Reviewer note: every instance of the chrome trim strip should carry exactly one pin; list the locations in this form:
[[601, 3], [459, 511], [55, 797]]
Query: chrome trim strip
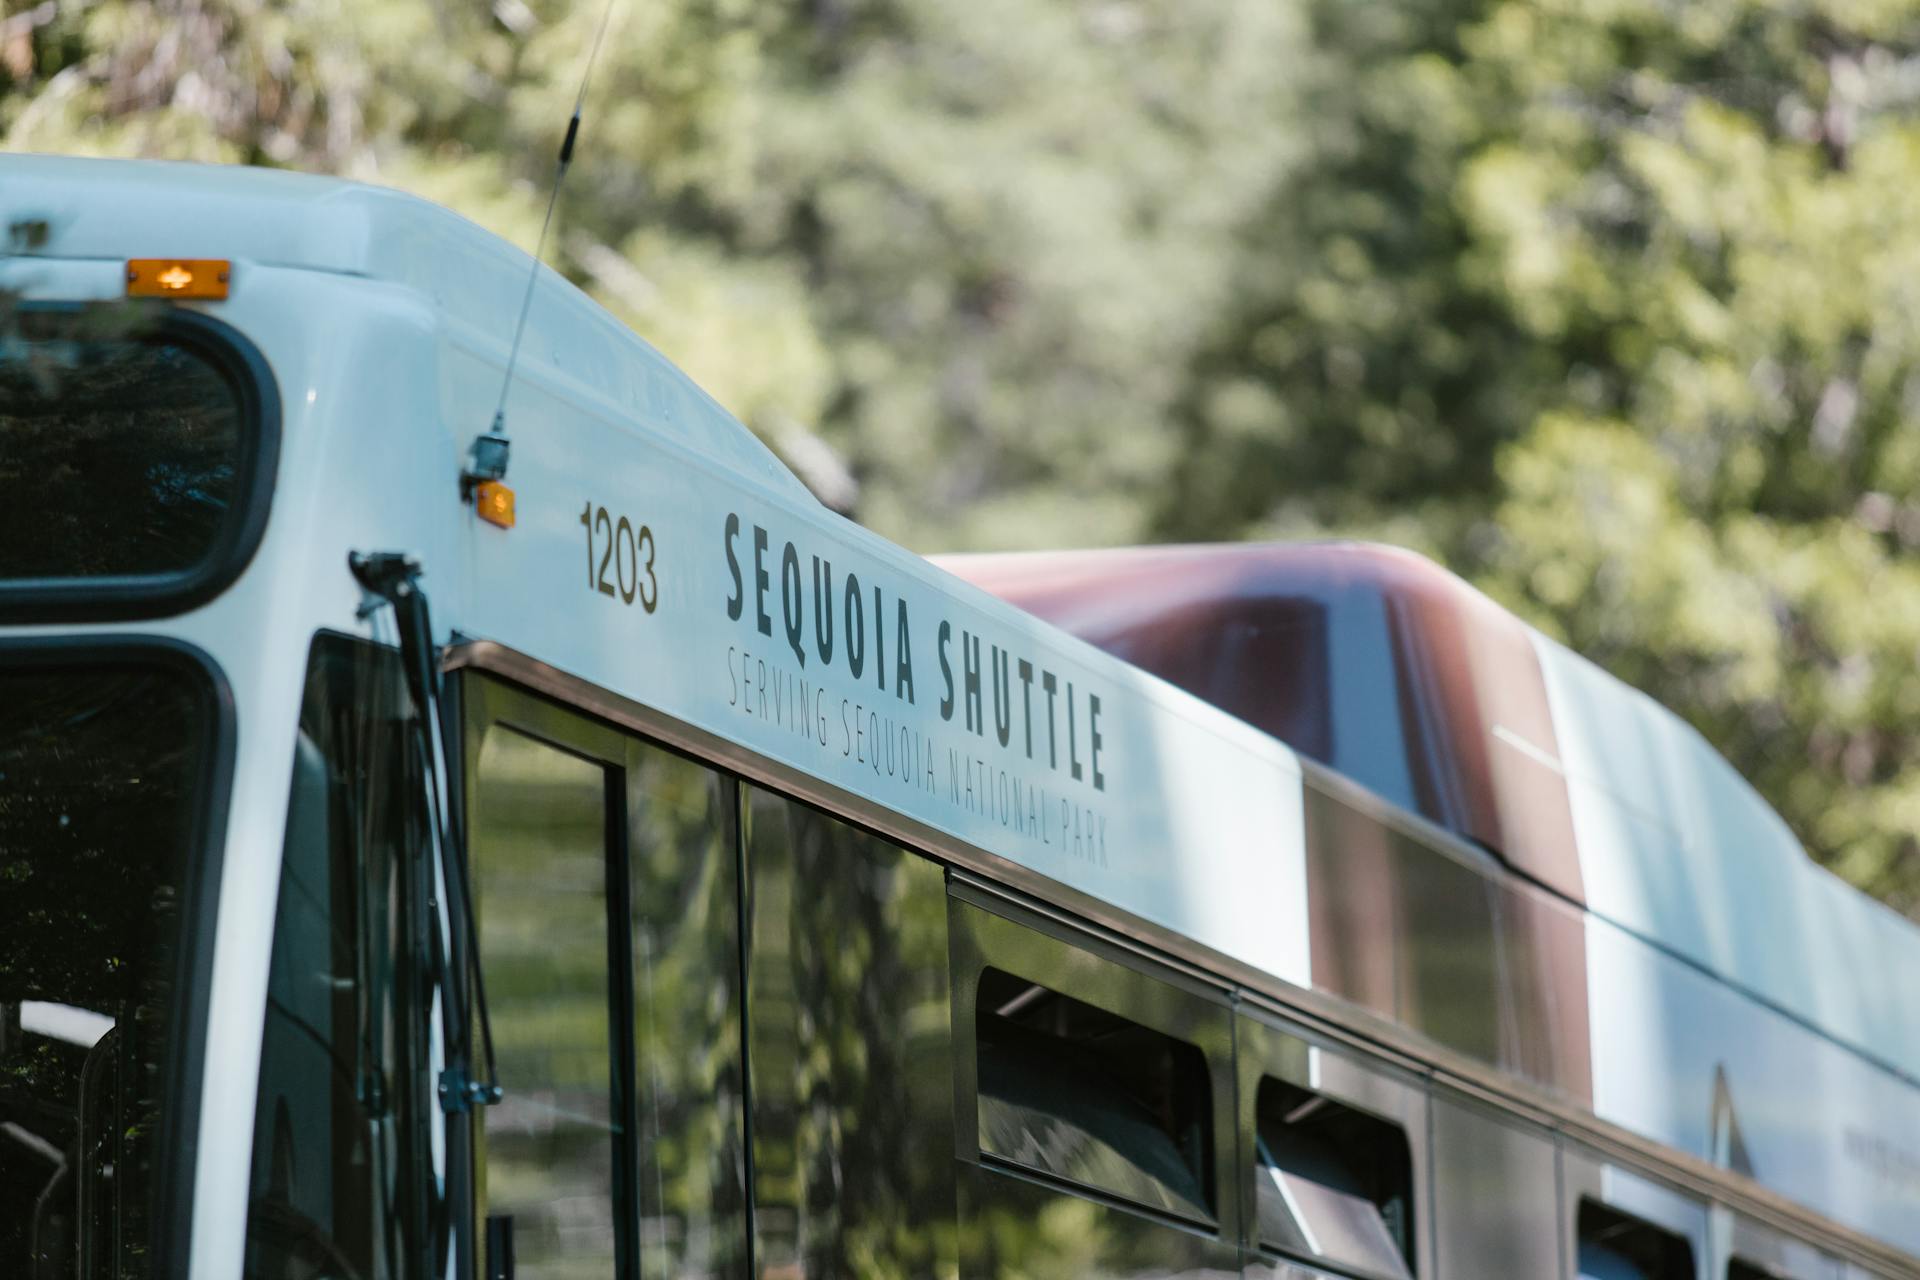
[[1333, 1019]]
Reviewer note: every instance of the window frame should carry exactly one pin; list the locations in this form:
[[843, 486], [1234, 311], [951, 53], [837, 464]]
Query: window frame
[[985, 932], [1270, 1047], [149, 595], [183, 1072], [1769, 1252], [1629, 1193], [1521, 1234]]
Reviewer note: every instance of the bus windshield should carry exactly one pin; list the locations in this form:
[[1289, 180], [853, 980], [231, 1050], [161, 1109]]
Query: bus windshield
[[124, 455], [103, 764]]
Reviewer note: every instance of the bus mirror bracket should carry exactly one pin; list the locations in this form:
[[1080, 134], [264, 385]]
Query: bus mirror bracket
[[460, 1094], [394, 579]]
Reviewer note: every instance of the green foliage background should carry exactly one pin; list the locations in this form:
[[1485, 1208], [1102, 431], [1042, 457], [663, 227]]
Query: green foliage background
[[1611, 305]]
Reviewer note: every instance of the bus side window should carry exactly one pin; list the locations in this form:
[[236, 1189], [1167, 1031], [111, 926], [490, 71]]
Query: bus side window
[[849, 1049], [1757, 1251], [1086, 1096], [1331, 1183], [1614, 1246], [1333, 1153], [1093, 1103], [606, 887], [554, 1147]]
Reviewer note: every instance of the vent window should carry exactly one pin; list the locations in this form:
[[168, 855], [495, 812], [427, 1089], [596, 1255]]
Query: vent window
[[1614, 1246], [1333, 1184], [1084, 1096]]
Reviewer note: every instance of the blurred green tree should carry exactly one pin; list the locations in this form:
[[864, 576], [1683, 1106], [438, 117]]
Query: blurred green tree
[[1613, 309]]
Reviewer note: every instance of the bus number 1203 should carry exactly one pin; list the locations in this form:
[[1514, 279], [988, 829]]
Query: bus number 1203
[[624, 569]]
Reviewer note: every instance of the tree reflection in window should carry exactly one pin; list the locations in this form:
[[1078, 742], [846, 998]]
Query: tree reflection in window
[[541, 868]]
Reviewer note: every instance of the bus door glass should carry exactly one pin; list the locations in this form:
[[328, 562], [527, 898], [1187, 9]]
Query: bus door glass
[[340, 1166], [540, 858]]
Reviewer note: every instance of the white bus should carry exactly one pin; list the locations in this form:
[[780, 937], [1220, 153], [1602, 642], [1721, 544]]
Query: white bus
[[616, 864]]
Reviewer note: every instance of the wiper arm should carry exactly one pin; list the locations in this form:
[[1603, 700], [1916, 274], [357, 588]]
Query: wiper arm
[[394, 577]]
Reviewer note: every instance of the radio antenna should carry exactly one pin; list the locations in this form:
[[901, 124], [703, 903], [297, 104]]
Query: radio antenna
[[487, 456]]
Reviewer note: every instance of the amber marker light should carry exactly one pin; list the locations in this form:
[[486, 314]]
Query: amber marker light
[[493, 502], [178, 277]]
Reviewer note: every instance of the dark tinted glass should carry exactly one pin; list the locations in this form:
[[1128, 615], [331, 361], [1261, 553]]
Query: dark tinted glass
[[1085, 1095], [1331, 1183], [609, 929], [689, 1087], [336, 1165], [119, 456], [101, 770], [1614, 1246], [541, 864], [851, 1051]]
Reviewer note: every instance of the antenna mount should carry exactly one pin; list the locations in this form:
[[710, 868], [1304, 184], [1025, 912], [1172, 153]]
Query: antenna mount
[[487, 456]]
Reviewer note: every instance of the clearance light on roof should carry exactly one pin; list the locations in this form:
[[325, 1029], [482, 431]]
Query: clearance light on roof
[[493, 502], [178, 277]]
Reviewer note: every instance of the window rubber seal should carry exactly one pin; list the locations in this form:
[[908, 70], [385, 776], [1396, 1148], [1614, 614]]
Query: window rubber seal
[[135, 597], [177, 1143]]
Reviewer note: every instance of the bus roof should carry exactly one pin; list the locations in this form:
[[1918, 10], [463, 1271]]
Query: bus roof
[[276, 219]]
